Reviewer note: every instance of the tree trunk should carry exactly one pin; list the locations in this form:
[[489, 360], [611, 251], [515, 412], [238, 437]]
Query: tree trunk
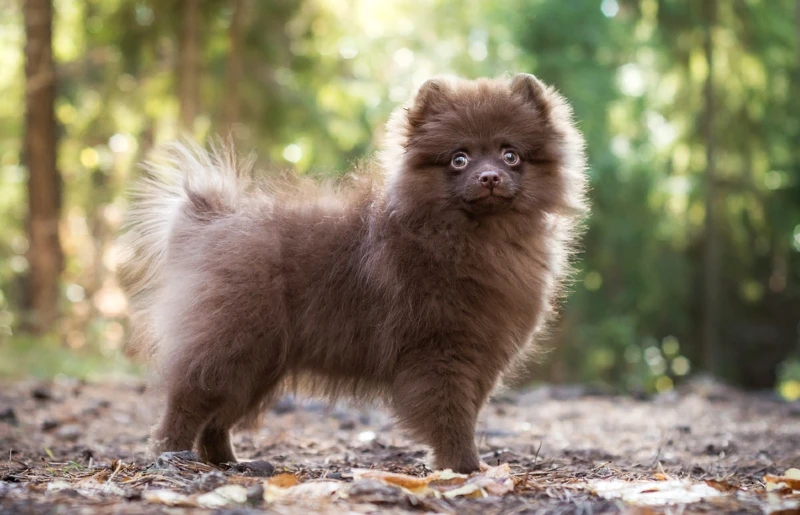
[[797, 37], [711, 298], [189, 63], [44, 188], [235, 67]]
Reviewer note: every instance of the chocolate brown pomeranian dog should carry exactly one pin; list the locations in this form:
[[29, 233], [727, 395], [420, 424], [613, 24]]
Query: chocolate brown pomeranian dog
[[423, 288]]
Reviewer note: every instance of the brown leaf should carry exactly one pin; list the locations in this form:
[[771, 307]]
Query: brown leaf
[[308, 490], [446, 484], [639, 510], [393, 478], [721, 486], [283, 480], [491, 481], [778, 482]]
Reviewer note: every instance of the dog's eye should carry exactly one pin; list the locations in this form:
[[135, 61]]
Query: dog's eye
[[510, 157], [459, 161]]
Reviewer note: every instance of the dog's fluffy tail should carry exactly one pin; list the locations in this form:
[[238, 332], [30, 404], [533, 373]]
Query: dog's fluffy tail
[[182, 183]]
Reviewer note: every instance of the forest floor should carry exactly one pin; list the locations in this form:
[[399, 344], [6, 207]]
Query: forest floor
[[71, 447]]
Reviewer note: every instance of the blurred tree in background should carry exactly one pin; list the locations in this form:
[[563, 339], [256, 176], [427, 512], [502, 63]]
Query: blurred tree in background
[[39, 154], [690, 110]]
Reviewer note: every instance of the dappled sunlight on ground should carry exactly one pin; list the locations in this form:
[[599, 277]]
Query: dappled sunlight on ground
[[551, 448]]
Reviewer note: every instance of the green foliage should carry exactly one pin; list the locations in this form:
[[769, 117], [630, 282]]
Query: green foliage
[[321, 77], [789, 379], [23, 356]]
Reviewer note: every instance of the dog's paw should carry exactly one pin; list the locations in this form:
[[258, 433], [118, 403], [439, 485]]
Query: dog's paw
[[257, 468]]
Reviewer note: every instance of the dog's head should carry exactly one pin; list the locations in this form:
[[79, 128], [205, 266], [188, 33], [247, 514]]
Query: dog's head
[[485, 148]]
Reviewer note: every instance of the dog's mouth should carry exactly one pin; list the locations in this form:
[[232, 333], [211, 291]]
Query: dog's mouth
[[488, 202]]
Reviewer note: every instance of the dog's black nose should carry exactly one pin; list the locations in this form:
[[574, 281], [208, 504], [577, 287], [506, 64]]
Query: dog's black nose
[[489, 179]]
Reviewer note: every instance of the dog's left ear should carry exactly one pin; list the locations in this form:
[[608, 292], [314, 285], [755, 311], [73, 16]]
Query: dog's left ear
[[430, 99], [530, 88]]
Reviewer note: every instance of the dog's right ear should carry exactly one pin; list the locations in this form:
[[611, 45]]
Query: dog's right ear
[[530, 88], [430, 99]]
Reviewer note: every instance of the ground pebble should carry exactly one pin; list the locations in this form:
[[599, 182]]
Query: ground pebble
[[255, 494], [209, 481], [9, 416], [70, 433], [49, 424], [256, 468], [41, 393]]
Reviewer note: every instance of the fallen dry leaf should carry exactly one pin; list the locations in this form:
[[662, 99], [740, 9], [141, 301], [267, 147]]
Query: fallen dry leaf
[[722, 486], [58, 485], [223, 496], [790, 480], [654, 493], [470, 490], [168, 498], [308, 490], [496, 484], [500, 471], [492, 481], [546, 481], [412, 483], [639, 510], [445, 484], [88, 486], [283, 480]]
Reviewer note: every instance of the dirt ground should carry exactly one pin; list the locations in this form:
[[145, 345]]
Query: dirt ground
[[70, 447]]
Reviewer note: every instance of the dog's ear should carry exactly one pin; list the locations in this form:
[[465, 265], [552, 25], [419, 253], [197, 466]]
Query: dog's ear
[[530, 88], [431, 98]]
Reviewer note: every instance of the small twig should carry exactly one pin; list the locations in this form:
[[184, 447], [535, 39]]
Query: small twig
[[536, 456], [113, 475], [601, 466], [661, 470], [533, 473]]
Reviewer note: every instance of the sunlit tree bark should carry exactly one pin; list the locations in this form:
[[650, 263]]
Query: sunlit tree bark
[[235, 66], [712, 237], [44, 191]]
